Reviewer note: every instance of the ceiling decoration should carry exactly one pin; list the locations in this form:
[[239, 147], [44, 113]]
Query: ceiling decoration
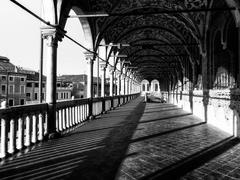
[[160, 43]]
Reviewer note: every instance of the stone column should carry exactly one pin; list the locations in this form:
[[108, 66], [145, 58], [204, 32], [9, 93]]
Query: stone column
[[90, 60], [238, 83], [103, 79], [126, 86], [111, 72], [51, 36], [130, 85], [119, 83], [205, 86], [122, 84]]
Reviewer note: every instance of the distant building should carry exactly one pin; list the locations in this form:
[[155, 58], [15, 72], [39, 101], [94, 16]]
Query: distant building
[[20, 86], [13, 83], [79, 84]]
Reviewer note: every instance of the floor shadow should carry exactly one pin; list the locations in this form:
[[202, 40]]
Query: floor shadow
[[94, 153], [166, 132], [178, 169], [164, 110], [104, 163], [165, 118]]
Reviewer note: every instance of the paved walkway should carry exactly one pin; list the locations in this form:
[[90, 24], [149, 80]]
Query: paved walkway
[[136, 141]]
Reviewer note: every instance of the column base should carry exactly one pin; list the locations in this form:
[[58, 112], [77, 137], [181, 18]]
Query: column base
[[53, 135], [91, 117], [3, 158]]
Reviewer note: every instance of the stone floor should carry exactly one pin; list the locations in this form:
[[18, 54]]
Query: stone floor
[[136, 141]]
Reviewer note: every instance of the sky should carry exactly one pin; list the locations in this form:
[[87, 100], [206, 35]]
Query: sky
[[20, 39]]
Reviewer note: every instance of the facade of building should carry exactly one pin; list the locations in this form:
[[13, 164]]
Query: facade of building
[[13, 84], [79, 85], [20, 86]]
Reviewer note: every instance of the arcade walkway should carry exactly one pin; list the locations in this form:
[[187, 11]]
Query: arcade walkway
[[136, 141]]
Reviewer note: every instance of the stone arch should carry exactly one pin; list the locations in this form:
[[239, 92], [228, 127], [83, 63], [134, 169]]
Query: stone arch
[[145, 86], [155, 86], [86, 28]]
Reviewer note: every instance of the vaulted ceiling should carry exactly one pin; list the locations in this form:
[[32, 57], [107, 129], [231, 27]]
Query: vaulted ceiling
[[163, 34]]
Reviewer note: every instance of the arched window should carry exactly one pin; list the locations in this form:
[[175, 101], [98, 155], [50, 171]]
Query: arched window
[[143, 87], [156, 87], [147, 87]]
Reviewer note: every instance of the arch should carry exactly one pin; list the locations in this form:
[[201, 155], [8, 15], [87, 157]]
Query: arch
[[86, 28], [155, 86], [145, 86]]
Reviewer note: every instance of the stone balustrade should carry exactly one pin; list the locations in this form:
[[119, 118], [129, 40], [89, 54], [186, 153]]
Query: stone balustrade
[[24, 126]]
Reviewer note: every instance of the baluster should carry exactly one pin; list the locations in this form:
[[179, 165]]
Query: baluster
[[46, 123], [34, 128], [60, 120], [41, 126], [70, 116], [67, 118], [84, 112], [12, 136], [28, 131], [57, 120], [64, 119], [73, 116], [94, 108], [4, 138], [20, 133], [87, 107], [77, 114], [81, 113]]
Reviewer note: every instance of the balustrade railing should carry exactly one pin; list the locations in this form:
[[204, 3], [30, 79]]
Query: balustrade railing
[[71, 113], [23, 126]]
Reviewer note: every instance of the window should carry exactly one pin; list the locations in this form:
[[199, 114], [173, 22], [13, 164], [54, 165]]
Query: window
[[3, 89], [4, 78], [29, 84], [10, 102], [143, 87], [11, 89], [22, 79], [66, 95], [22, 89], [156, 87], [36, 85], [28, 95], [61, 95], [22, 101], [147, 87], [35, 96], [10, 78], [42, 96], [43, 85]]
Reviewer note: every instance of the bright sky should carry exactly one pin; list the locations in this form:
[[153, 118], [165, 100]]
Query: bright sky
[[20, 39]]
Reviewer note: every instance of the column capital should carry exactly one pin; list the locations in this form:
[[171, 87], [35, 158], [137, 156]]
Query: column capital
[[118, 73], [89, 56], [53, 33], [123, 76], [111, 69], [102, 67]]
